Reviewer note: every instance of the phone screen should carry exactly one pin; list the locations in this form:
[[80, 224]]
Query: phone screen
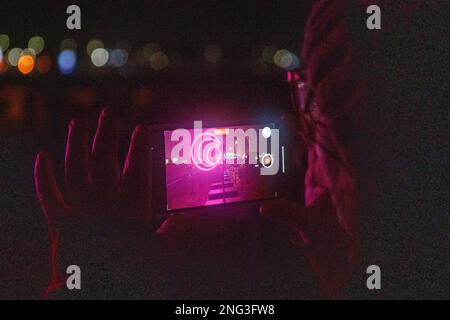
[[215, 166]]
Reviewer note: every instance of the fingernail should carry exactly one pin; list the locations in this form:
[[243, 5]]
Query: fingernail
[[77, 124], [107, 113], [43, 160], [42, 155]]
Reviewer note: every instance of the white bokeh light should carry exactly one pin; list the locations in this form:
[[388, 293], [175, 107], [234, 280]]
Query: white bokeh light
[[99, 57], [283, 58], [14, 55], [266, 132]]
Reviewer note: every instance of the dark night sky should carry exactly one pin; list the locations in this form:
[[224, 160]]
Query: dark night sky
[[186, 26]]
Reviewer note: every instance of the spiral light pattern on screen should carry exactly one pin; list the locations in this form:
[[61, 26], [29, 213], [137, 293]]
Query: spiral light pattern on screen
[[206, 151]]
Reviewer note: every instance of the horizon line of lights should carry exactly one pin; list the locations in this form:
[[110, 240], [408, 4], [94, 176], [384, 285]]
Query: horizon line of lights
[[32, 57]]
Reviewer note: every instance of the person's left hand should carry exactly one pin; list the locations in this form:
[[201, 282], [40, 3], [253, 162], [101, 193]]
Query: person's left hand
[[104, 223]]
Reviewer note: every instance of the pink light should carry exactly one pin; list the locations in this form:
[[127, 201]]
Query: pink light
[[292, 76], [202, 157]]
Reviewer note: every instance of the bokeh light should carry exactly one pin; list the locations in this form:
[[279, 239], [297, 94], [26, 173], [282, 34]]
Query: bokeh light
[[99, 57], [26, 64], [14, 55], [213, 53], [1, 55], [4, 42], [67, 60], [150, 49], [29, 52], [295, 62], [282, 58], [36, 43], [118, 57], [44, 64], [159, 61], [286, 59], [69, 44], [94, 44]]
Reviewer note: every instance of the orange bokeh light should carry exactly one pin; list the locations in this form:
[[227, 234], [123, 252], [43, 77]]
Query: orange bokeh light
[[26, 64]]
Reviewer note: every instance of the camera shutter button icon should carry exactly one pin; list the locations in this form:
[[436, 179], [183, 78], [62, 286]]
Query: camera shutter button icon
[[267, 160]]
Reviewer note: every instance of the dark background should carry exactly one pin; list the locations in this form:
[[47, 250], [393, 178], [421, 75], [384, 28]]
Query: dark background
[[35, 109], [183, 25]]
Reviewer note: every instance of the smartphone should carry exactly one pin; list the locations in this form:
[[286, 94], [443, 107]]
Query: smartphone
[[200, 167]]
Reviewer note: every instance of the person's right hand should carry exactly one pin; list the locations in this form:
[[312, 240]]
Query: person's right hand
[[316, 229]]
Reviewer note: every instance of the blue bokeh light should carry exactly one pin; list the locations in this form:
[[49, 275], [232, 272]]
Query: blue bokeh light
[[67, 60], [296, 63]]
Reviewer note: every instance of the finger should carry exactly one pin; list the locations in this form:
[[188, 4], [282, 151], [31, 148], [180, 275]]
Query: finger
[[104, 164], [137, 176], [285, 211], [76, 161], [47, 191]]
